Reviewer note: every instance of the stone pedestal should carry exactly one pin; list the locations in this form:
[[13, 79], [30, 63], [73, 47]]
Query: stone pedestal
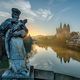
[[9, 75]]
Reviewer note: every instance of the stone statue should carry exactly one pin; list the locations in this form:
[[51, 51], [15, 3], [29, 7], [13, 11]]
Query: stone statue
[[13, 31]]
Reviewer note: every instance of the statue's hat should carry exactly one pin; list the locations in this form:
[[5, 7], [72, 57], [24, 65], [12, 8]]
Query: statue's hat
[[15, 10]]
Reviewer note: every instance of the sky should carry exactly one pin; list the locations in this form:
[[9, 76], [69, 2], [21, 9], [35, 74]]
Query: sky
[[44, 16]]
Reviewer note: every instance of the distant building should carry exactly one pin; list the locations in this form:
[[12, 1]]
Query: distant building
[[75, 40], [63, 30]]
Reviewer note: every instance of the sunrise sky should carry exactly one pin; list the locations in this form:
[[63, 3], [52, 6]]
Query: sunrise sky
[[44, 15]]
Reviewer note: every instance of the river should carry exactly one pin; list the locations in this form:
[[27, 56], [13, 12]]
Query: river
[[60, 61]]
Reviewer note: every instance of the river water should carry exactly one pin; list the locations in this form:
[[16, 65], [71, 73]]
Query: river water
[[57, 60]]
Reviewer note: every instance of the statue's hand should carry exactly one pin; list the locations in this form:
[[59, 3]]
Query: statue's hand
[[10, 33], [14, 21]]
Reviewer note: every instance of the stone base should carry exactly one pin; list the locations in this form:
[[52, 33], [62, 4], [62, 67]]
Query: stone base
[[17, 79], [10, 75]]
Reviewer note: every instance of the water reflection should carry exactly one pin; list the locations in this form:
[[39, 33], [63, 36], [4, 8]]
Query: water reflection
[[56, 59], [64, 53]]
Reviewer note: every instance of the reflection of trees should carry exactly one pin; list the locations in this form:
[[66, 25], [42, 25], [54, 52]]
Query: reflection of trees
[[28, 41], [33, 51], [63, 56], [43, 46], [64, 53]]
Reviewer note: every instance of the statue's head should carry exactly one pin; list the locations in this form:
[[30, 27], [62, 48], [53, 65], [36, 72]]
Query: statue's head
[[15, 13]]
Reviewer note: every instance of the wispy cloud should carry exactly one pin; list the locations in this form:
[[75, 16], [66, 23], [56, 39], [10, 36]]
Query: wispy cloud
[[44, 14], [65, 9], [52, 1], [26, 9], [4, 14], [57, 17]]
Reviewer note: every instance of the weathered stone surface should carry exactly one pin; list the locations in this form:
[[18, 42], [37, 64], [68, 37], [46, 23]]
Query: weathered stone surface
[[37, 74], [13, 31]]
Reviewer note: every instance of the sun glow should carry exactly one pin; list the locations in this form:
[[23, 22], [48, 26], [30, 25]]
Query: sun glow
[[34, 30]]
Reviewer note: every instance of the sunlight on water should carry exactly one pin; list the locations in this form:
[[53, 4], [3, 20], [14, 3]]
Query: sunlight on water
[[47, 59]]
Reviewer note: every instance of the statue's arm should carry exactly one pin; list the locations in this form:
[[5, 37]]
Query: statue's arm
[[20, 33], [5, 24]]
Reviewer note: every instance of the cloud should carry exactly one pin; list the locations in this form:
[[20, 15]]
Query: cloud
[[44, 14], [52, 1], [58, 16], [26, 9], [65, 9], [4, 14]]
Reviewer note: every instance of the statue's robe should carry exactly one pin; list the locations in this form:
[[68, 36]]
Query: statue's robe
[[16, 53], [3, 29]]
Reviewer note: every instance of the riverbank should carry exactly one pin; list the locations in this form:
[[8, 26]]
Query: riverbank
[[61, 42], [60, 46]]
